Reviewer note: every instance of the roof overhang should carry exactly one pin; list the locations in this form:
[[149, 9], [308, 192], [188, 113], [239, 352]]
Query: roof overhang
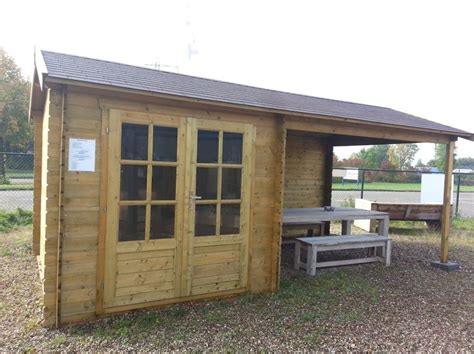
[[37, 94], [446, 135]]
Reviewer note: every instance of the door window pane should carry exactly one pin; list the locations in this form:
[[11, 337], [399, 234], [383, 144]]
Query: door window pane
[[230, 219], [205, 220], [206, 183], [231, 183], [208, 143], [133, 182], [163, 183], [164, 143], [134, 141], [232, 149], [162, 221], [132, 223]]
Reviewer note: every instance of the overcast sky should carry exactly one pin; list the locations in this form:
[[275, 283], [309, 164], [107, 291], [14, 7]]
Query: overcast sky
[[413, 56]]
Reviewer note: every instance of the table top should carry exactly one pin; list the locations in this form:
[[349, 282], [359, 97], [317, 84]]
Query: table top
[[303, 216]]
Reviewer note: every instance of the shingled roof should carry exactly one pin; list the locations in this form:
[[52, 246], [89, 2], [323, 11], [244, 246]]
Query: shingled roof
[[71, 67]]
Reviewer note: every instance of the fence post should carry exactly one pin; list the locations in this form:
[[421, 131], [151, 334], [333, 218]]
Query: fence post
[[457, 194], [362, 185], [3, 172]]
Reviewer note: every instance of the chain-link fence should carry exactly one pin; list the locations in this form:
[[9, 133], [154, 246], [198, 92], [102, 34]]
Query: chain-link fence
[[397, 186], [16, 180]]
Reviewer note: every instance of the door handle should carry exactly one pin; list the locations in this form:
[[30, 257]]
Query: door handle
[[195, 197]]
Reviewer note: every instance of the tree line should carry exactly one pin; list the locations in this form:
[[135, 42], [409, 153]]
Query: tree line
[[16, 132], [399, 157]]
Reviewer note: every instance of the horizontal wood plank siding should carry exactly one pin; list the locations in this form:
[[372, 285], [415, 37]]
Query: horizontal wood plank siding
[[81, 210], [305, 170], [81, 216]]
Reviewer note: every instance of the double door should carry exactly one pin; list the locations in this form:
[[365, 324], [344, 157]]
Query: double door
[[178, 217]]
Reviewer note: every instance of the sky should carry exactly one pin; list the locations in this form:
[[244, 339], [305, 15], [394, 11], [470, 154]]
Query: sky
[[414, 56]]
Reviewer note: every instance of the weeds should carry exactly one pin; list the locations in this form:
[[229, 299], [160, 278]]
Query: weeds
[[348, 202], [10, 221], [57, 341]]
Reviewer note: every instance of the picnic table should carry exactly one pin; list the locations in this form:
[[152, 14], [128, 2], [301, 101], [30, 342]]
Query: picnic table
[[309, 217]]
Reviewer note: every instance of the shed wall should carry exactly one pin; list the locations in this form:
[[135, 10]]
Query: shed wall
[[81, 200], [49, 204], [305, 170]]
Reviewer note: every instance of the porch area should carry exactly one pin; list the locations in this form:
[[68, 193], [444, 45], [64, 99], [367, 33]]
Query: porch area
[[307, 213]]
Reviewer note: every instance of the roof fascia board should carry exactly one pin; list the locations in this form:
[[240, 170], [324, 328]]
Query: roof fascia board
[[365, 131]]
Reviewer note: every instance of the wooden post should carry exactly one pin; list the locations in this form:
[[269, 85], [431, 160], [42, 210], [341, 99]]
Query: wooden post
[[328, 165], [280, 155], [446, 216]]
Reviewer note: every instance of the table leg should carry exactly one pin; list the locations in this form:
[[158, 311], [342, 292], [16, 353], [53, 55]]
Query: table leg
[[383, 226], [311, 261], [388, 253], [346, 227], [297, 255]]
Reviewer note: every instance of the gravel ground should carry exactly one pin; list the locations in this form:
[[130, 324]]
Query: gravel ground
[[409, 306]]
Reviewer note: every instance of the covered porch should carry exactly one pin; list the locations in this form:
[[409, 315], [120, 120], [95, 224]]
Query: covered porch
[[306, 183]]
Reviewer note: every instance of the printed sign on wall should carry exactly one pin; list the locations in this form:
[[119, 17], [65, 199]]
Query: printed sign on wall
[[82, 155]]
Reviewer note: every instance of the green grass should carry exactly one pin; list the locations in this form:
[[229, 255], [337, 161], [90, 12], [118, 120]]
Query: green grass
[[57, 341], [19, 174], [463, 224], [16, 187], [388, 186], [12, 220], [415, 227]]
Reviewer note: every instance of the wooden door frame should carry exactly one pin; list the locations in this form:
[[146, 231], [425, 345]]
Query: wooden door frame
[[188, 140]]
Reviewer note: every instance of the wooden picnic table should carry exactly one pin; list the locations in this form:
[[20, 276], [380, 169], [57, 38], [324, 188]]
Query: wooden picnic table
[[307, 218]]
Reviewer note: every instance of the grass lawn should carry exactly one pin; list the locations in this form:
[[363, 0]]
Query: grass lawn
[[16, 187], [358, 308], [19, 174], [387, 186]]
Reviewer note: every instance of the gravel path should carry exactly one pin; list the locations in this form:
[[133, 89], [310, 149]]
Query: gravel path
[[409, 306]]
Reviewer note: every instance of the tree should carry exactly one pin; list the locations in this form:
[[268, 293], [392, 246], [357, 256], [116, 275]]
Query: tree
[[372, 157], [15, 129], [402, 155], [465, 162], [440, 157]]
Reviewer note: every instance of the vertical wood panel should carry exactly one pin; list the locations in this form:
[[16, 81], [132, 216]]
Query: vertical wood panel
[[446, 217], [102, 214], [278, 206], [38, 134]]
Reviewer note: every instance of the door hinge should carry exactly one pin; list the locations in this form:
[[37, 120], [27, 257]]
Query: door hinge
[[107, 130]]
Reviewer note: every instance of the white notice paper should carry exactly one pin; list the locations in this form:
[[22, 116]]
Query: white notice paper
[[82, 155]]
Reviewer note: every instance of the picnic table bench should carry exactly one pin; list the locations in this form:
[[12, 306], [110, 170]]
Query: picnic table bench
[[379, 245], [343, 242]]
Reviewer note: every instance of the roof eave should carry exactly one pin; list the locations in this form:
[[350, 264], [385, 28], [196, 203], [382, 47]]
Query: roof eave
[[61, 80]]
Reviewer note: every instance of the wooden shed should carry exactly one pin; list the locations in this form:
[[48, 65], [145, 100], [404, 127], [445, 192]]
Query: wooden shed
[[154, 188]]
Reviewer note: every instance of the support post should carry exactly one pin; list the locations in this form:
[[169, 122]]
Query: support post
[[446, 215], [362, 185], [458, 189]]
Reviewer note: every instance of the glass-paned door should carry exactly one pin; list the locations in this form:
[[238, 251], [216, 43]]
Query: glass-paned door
[[178, 208], [144, 208], [219, 204]]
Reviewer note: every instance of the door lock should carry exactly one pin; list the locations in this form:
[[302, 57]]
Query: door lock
[[195, 197]]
